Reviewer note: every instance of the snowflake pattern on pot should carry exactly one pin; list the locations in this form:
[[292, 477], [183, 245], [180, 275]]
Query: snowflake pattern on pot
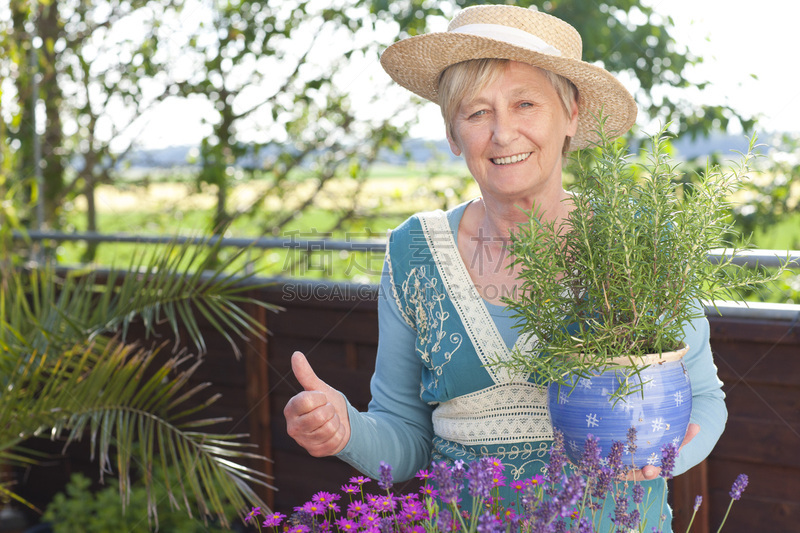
[[660, 412]]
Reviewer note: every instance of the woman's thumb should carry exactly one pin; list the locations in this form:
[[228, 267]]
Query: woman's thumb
[[305, 374]]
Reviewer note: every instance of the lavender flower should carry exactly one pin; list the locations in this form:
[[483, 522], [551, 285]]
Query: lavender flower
[[620, 512], [632, 522], [557, 458], [445, 520], [590, 460], [385, 481], [698, 501], [480, 477], [489, 523], [446, 480], [668, 453], [632, 440], [585, 526], [738, 486], [615, 458], [638, 494]]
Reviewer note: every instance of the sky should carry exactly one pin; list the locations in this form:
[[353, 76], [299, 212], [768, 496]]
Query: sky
[[748, 49]]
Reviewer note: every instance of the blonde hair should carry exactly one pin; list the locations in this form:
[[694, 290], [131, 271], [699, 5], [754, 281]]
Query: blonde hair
[[466, 79]]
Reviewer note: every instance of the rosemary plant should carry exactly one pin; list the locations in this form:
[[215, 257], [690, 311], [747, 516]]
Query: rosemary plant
[[625, 272]]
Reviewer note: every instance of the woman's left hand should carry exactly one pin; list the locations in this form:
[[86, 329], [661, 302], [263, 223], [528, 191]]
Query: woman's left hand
[[651, 472]]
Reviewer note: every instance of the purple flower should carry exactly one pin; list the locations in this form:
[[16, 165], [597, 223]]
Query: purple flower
[[360, 480], [370, 519], [480, 477], [423, 474], [412, 511], [698, 501], [489, 523], [325, 497], [274, 520], [356, 508], [590, 460], [299, 529], [620, 512], [615, 458], [517, 485], [448, 480], [603, 482], [254, 512], [314, 508], [571, 493], [638, 493], [346, 525], [738, 486], [428, 491], [349, 489], [585, 526], [385, 504], [632, 440], [668, 453], [385, 481], [557, 458], [632, 522], [444, 522]]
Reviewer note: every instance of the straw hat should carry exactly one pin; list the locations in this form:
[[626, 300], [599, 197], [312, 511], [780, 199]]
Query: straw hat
[[518, 34]]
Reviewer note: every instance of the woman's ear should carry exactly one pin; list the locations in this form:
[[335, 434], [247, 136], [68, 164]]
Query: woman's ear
[[453, 146], [572, 129]]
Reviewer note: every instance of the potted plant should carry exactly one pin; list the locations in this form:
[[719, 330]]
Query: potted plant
[[606, 294]]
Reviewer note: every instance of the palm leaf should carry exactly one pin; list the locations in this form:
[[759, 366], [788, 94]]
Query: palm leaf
[[132, 413]]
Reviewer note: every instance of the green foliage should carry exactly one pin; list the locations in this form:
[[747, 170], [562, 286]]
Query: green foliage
[[273, 79], [79, 508], [622, 275], [67, 370]]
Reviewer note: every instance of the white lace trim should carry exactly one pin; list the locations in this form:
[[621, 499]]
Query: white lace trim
[[502, 414], [469, 305], [388, 260]]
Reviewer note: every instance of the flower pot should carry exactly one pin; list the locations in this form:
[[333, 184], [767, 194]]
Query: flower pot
[[659, 412]]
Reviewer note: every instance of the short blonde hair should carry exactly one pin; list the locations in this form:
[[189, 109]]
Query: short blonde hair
[[464, 80]]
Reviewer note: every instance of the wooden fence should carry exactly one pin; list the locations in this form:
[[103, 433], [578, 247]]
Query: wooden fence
[[335, 325]]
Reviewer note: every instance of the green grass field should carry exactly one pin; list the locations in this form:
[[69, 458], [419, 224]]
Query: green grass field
[[163, 207]]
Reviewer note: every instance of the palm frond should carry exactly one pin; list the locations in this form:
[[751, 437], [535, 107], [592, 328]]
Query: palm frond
[[132, 410]]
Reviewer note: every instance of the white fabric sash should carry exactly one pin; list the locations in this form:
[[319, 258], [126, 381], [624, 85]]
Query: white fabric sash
[[509, 35]]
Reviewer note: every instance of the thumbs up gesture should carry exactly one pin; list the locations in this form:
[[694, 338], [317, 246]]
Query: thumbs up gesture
[[316, 417]]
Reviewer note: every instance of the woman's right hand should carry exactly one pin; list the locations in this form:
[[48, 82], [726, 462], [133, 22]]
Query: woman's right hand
[[316, 417]]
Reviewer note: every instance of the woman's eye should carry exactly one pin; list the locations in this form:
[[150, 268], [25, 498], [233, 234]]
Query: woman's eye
[[478, 113], [526, 104]]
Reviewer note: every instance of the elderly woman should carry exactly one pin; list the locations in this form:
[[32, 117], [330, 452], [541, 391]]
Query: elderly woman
[[515, 97]]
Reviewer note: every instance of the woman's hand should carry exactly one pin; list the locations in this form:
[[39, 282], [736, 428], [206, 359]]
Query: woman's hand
[[317, 417], [651, 472]]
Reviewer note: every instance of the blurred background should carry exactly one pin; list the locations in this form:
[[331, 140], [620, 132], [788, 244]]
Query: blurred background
[[273, 118]]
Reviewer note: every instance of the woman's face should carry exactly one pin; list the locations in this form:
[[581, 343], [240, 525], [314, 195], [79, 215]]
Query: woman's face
[[511, 135]]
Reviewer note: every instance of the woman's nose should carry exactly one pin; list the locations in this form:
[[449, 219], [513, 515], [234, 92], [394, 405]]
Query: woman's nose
[[504, 128]]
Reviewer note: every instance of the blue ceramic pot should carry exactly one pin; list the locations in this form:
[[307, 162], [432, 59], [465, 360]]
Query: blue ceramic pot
[[660, 415]]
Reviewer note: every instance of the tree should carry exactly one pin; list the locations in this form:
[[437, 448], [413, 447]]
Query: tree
[[75, 66], [276, 79]]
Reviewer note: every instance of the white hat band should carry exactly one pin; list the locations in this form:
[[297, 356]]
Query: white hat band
[[509, 35]]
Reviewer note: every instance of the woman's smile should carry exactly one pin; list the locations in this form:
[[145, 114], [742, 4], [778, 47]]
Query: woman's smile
[[509, 160]]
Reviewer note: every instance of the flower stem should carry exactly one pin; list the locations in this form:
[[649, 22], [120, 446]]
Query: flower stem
[[726, 515]]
